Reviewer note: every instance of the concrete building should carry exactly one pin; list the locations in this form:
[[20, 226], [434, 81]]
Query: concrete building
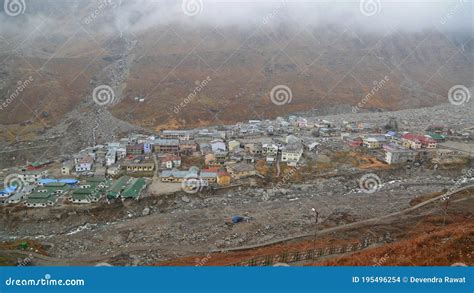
[[374, 142], [218, 145], [187, 147], [170, 162], [32, 176], [111, 157], [136, 149], [241, 170], [223, 178], [84, 164], [233, 145], [177, 134], [418, 141], [270, 149], [139, 164], [178, 176], [395, 154], [166, 146], [291, 153], [66, 168]]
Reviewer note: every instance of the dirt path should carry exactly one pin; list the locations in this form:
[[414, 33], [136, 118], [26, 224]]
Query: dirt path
[[95, 259], [351, 225]]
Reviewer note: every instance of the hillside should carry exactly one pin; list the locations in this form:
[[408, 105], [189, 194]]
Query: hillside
[[70, 48]]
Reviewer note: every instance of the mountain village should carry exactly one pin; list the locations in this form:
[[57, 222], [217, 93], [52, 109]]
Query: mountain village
[[222, 157]]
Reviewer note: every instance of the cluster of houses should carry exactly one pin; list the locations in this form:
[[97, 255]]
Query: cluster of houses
[[225, 154], [228, 153], [39, 190], [397, 147]]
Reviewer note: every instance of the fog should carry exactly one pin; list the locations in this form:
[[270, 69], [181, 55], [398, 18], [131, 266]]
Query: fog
[[133, 16]]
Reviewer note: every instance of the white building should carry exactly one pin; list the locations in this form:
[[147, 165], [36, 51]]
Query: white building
[[121, 153], [218, 146], [233, 145], [111, 157], [269, 149], [66, 169], [291, 153], [32, 176], [113, 170], [84, 164]]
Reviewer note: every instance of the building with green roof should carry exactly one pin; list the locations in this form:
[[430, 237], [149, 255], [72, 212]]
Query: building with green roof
[[81, 195], [118, 187], [91, 191], [54, 187], [436, 136], [134, 189], [41, 199]]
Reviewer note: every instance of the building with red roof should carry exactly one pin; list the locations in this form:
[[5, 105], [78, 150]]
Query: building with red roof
[[419, 141]]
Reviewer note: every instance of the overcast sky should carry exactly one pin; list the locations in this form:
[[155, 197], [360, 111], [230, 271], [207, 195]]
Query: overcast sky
[[136, 15]]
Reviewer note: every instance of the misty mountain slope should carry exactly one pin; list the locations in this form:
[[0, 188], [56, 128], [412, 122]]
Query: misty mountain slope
[[327, 54], [319, 71]]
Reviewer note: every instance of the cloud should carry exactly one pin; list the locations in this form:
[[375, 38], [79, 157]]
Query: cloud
[[138, 15]]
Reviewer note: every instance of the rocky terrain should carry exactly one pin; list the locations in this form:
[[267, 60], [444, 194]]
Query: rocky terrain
[[164, 227], [75, 47], [54, 57]]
